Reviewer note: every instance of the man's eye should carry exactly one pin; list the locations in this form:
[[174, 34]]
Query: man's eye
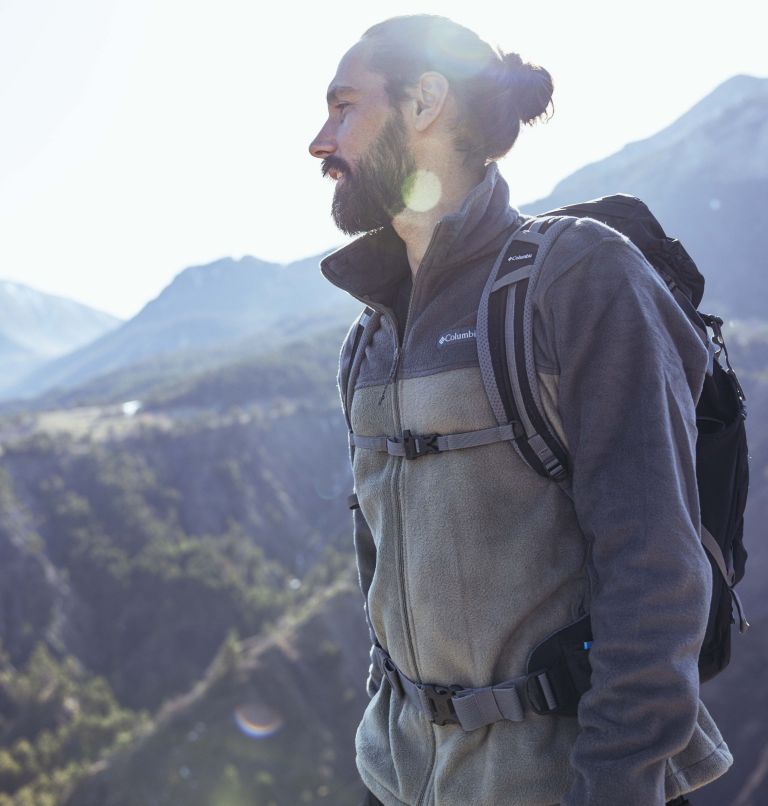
[[341, 107]]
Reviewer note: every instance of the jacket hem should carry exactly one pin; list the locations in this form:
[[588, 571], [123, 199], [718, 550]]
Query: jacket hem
[[680, 781], [378, 789]]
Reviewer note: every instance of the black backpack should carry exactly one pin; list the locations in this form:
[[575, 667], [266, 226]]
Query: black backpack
[[511, 383], [721, 447]]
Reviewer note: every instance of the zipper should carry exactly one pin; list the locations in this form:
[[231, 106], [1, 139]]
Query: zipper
[[397, 476], [398, 488]]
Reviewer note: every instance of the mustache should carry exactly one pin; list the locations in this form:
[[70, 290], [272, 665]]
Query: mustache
[[329, 163]]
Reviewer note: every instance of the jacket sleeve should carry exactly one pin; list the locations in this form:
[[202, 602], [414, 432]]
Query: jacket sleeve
[[365, 548], [631, 368]]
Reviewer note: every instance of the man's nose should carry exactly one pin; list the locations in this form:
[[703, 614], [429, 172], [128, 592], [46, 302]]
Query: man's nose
[[324, 144]]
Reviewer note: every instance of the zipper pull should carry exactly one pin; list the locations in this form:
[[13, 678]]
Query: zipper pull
[[392, 374]]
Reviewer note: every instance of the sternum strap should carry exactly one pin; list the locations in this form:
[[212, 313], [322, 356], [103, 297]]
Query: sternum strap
[[411, 446]]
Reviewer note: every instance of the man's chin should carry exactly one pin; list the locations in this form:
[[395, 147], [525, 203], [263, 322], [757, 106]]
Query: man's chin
[[351, 222], [344, 224]]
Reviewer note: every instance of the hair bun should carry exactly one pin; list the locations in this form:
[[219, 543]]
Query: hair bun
[[512, 61], [531, 86]]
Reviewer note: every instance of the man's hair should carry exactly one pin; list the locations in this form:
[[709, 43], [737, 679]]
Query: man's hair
[[495, 91]]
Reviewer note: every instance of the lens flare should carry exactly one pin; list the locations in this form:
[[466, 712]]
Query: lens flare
[[257, 721], [422, 191]]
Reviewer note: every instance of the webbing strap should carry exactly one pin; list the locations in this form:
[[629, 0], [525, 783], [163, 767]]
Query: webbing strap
[[472, 708], [711, 545], [419, 445], [743, 623], [483, 706]]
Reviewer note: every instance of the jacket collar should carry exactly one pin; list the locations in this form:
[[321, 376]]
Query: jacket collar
[[372, 266]]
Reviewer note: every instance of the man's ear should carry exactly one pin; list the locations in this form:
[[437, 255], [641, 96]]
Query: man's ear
[[428, 99]]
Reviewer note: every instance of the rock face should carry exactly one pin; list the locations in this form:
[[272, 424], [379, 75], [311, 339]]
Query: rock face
[[705, 177]]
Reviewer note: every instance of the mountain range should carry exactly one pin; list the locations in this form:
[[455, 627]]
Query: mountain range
[[705, 177], [204, 307]]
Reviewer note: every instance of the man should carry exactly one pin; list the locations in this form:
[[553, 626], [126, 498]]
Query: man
[[467, 558]]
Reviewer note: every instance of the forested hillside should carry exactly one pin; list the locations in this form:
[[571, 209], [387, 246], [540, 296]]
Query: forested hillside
[[140, 545]]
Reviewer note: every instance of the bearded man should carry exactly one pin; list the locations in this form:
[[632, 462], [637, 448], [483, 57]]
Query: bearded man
[[467, 558]]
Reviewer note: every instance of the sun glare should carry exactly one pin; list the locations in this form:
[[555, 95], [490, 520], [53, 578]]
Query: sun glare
[[422, 191]]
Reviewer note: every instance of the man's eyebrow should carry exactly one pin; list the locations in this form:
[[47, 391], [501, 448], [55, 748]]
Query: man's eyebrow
[[336, 90]]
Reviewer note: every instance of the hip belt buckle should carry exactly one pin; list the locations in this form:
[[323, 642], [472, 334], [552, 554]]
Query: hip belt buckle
[[437, 703]]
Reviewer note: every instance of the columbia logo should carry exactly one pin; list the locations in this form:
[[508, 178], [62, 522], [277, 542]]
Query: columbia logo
[[456, 335], [519, 257]]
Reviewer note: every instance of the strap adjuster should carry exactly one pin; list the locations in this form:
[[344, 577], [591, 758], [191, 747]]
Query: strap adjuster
[[540, 694], [391, 672], [416, 445]]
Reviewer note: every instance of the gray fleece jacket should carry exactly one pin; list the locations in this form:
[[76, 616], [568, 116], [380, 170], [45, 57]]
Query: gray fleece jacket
[[467, 559]]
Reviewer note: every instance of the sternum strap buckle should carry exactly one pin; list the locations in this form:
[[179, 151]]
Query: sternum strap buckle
[[416, 445]]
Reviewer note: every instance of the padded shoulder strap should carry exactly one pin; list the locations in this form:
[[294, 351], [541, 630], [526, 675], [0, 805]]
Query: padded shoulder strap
[[505, 345]]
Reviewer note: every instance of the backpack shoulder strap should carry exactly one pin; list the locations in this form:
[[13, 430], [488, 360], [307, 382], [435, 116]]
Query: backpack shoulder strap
[[505, 345], [352, 351]]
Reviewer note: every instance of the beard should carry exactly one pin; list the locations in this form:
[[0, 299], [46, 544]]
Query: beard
[[371, 194]]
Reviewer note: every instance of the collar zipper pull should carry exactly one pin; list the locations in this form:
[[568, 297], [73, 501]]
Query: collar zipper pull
[[392, 374]]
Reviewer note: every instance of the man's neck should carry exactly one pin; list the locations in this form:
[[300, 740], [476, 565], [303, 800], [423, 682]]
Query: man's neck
[[416, 228]]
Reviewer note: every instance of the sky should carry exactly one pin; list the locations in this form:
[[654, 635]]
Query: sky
[[139, 137]]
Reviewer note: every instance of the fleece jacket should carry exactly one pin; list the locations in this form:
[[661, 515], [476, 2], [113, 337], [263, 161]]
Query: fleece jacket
[[467, 559]]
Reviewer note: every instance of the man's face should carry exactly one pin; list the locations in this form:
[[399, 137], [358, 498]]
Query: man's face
[[364, 147]]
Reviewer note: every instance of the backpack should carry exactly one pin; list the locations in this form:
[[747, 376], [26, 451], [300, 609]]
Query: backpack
[[511, 383], [504, 343]]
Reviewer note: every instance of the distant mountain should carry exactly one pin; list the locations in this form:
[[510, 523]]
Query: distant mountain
[[36, 327], [705, 177], [207, 306]]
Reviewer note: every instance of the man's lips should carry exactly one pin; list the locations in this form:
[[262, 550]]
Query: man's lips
[[335, 173]]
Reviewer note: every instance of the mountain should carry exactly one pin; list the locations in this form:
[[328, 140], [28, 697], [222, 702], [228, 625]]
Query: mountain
[[207, 306], [705, 177], [36, 327]]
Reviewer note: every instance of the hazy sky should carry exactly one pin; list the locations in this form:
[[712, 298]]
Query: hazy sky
[[138, 137]]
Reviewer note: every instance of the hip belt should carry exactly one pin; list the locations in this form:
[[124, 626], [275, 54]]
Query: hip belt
[[549, 690]]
